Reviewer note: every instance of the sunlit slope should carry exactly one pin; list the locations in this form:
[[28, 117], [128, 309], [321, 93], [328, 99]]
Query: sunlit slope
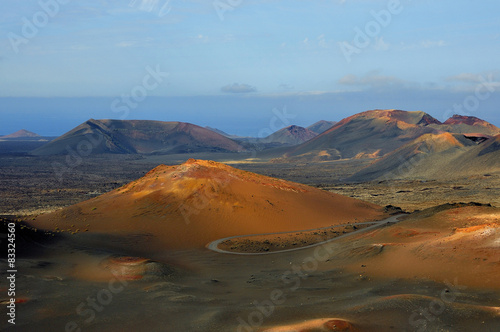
[[192, 204]]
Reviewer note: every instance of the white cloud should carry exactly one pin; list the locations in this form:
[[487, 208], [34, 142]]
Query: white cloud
[[465, 77], [373, 79], [202, 38], [322, 41], [79, 47], [238, 88], [470, 81], [433, 43]]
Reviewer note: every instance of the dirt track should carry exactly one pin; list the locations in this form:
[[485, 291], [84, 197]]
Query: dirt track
[[214, 246]]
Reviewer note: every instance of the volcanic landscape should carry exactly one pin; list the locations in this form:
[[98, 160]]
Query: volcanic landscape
[[387, 220]]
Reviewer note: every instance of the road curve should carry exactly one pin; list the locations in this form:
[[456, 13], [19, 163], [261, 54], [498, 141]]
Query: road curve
[[214, 245]]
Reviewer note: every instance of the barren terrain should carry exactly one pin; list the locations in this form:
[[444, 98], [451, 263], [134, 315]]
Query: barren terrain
[[429, 271]]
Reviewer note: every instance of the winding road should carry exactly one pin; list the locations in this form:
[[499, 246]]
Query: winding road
[[214, 245]]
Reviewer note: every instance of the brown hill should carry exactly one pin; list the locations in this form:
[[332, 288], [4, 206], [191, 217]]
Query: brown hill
[[479, 159], [469, 124], [408, 159], [281, 139], [23, 133], [190, 205], [468, 120], [138, 136], [321, 126], [223, 133], [437, 156], [291, 135], [369, 133]]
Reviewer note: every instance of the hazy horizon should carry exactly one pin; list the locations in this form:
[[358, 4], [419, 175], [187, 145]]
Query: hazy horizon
[[229, 64], [237, 115]]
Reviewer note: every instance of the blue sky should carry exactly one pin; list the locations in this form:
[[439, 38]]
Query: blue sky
[[231, 62]]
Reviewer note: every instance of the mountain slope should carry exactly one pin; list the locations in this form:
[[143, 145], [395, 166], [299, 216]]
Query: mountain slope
[[190, 205], [285, 137], [439, 244], [321, 126], [138, 136], [436, 156], [291, 135], [373, 133], [404, 161], [468, 124], [478, 160], [223, 133]]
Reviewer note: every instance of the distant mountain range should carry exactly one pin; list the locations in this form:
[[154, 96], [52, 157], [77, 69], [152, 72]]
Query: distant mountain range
[[401, 144], [139, 137], [317, 127], [22, 142], [291, 135], [158, 137], [375, 133], [20, 134], [288, 136]]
